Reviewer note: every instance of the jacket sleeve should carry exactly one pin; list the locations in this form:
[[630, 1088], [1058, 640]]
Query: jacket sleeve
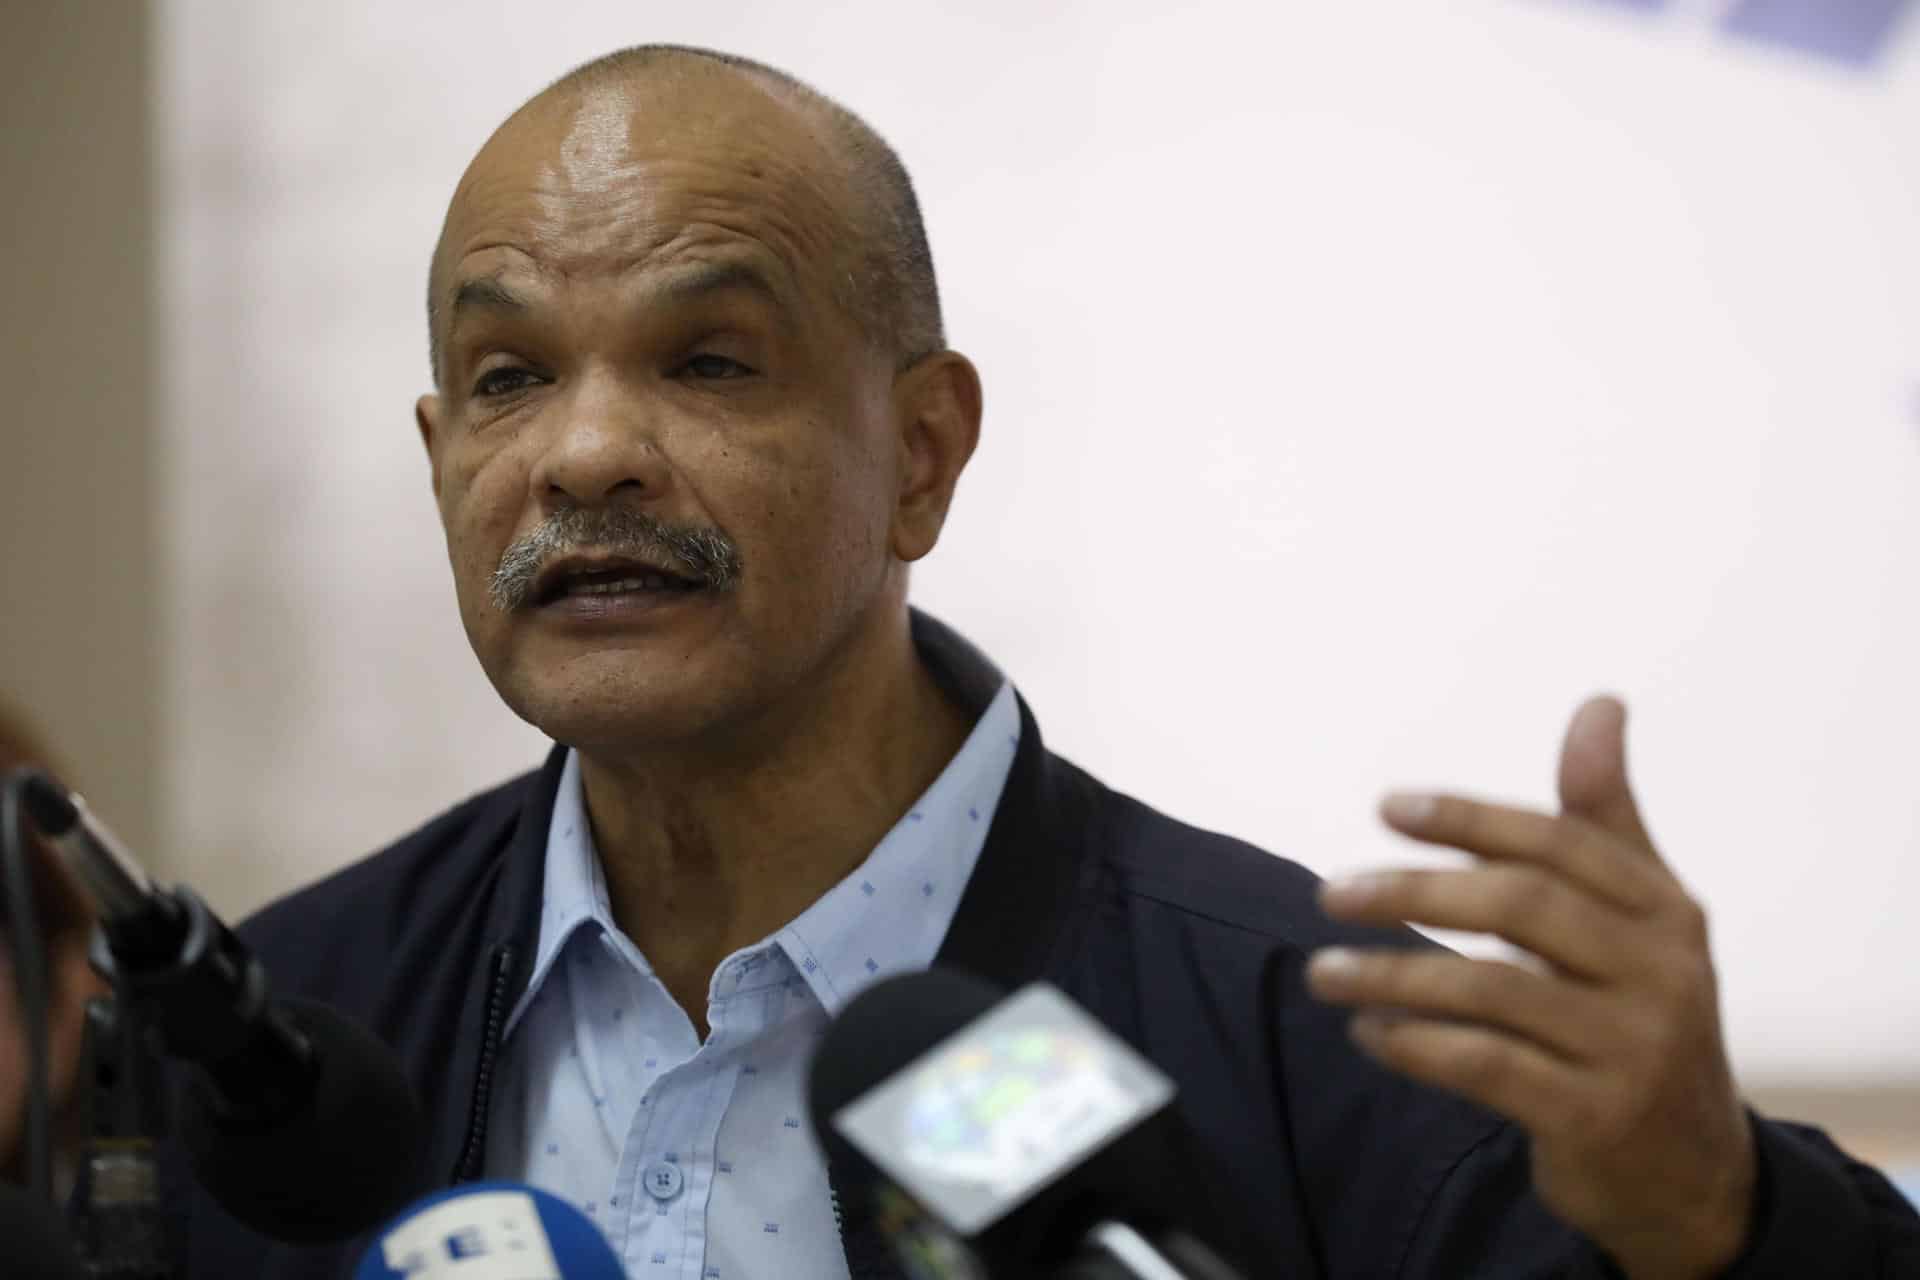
[[1406, 1181], [1400, 1180], [1817, 1212]]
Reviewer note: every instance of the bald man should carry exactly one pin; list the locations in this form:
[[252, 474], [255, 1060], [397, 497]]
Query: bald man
[[693, 419]]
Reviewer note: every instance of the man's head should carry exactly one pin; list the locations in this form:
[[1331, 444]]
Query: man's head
[[693, 418]]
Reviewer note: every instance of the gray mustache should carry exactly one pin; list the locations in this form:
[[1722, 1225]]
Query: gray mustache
[[706, 557]]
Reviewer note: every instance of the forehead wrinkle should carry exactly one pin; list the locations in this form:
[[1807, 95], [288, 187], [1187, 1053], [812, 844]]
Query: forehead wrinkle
[[700, 264], [630, 237], [703, 262], [781, 208]]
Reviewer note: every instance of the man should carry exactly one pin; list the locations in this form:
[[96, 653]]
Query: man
[[693, 420]]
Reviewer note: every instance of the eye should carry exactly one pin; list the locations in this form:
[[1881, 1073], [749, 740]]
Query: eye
[[503, 381], [713, 368]]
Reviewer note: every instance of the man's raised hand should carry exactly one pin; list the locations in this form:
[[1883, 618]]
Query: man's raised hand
[[1609, 1054]]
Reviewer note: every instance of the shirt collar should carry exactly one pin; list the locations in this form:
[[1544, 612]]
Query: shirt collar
[[573, 894], [890, 914]]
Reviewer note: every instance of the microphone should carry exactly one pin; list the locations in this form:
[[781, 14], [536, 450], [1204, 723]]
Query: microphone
[[37, 1247], [297, 1120], [490, 1231], [1010, 1137]]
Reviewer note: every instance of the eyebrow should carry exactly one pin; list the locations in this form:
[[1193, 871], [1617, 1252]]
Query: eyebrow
[[690, 284], [484, 291], [705, 279]]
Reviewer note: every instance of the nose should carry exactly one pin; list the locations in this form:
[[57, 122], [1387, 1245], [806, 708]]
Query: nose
[[604, 447]]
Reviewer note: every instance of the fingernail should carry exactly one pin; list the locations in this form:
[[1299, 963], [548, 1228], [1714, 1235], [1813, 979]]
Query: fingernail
[[1353, 891], [1407, 808], [1334, 962]]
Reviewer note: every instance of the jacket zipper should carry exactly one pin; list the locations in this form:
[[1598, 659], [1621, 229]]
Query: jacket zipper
[[476, 1144]]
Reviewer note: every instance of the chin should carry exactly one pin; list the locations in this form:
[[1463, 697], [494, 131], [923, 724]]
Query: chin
[[618, 724], [702, 690], [617, 709]]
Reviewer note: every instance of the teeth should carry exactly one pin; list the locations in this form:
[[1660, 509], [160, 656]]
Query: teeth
[[610, 588], [642, 582]]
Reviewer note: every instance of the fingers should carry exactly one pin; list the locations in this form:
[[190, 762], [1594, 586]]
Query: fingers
[[1568, 1022], [1527, 906], [1593, 772], [1495, 1070], [1590, 856], [1612, 1058]]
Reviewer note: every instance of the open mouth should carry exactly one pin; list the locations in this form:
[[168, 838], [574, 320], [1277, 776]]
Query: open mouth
[[605, 582]]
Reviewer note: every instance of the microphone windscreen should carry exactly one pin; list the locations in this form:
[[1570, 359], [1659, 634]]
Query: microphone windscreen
[[346, 1160], [1001, 1128], [881, 1030], [35, 1238], [490, 1231], [49, 804]]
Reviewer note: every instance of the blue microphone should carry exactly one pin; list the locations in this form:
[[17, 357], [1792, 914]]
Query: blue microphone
[[490, 1231]]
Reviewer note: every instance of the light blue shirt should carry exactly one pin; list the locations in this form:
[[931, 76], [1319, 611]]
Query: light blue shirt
[[696, 1159]]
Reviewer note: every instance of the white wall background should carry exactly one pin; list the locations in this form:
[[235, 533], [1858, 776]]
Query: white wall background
[[1366, 383]]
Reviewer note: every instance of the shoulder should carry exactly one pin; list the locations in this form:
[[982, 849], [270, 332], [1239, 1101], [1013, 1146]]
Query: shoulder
[[1213, 880], [398, 893], [411, 863]]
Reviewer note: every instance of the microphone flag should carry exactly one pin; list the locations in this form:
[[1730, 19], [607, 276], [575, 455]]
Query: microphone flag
[[490, 1231]]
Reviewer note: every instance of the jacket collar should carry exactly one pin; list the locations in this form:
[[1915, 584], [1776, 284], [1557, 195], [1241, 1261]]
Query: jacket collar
[[1012, 921]]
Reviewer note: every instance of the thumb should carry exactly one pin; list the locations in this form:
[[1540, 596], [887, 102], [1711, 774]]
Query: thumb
[[1593, 771]]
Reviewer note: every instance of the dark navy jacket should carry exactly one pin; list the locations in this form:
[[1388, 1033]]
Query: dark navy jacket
[[1306, 1159]]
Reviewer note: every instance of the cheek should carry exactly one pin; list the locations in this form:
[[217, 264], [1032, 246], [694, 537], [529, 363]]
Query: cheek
[[480, 501], [821, 519], [819, 483]]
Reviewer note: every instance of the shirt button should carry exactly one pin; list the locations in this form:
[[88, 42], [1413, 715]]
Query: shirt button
[[662, 1180]]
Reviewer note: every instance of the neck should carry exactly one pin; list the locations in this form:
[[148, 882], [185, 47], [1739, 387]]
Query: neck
[[711, 849]]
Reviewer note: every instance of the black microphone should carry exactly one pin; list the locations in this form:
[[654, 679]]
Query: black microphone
[[297, 1120], [996, 1137]]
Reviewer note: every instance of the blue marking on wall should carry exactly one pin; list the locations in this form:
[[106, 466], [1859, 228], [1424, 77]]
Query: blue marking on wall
[[1853, 32]]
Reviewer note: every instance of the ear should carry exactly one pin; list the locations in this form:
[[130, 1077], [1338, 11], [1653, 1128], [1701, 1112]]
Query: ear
[[937, 406], [427, 411]]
